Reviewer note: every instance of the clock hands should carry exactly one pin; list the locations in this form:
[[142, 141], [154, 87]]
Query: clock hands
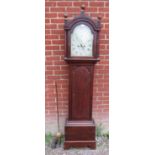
[[83, 46], [80, 41]]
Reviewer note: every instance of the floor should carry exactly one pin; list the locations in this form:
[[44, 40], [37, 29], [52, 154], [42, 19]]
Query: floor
[[102, 149]]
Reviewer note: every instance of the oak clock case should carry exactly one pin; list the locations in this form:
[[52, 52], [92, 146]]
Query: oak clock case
[[81, 54]]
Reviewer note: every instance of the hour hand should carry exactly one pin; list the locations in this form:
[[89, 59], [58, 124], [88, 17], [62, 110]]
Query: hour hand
[[80, 45], [83, 46]]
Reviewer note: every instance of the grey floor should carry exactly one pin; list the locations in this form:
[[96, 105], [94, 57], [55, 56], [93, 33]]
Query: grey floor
[[102, 149]]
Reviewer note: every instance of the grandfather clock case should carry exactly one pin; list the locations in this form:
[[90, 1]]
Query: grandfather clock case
[[81, 54]]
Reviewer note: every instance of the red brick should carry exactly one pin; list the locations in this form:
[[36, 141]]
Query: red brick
[[106, 26], [61, 15], [58, 32], [52, 47], [78, 4], [58, 42], [97, 4], [51, 26], [61, 26], [50, 15], [61, 3], [53, 36], [62, 36], [52, 58], [47, 21], [57, 10], [57, 21], [59, 63], [106, 15], [103, 9], [60, 72], [47, 52], [52, 67], [58, 52], [91, 9], [50, 4], [97, 14], [47, 32], [47, 9], [48, 42], [73, 9], [106, 4]]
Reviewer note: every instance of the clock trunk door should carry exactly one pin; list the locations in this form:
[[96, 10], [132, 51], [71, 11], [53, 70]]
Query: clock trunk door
[[81, 88]]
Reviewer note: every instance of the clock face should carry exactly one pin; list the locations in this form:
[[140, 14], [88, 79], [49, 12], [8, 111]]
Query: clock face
[[82, 41]]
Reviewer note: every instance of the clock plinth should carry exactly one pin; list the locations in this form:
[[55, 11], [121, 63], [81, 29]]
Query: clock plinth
[[79, 134], [81, 53]]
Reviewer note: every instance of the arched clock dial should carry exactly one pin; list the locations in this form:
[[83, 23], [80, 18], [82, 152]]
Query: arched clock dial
[[82, 41]]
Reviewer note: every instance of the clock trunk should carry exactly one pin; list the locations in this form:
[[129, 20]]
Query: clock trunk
[[81, 84]]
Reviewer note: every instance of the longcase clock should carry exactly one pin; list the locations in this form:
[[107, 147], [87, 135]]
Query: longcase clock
[[81, 53]]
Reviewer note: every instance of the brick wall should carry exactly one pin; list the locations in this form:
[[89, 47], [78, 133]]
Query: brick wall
[[57, 68]]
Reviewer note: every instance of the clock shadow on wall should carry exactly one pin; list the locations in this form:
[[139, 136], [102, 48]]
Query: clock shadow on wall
[[81, 54]]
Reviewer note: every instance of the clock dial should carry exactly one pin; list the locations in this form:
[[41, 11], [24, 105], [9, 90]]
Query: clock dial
[[82, 41]]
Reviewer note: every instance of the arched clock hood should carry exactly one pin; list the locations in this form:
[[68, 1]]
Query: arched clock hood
[[69, 25]]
